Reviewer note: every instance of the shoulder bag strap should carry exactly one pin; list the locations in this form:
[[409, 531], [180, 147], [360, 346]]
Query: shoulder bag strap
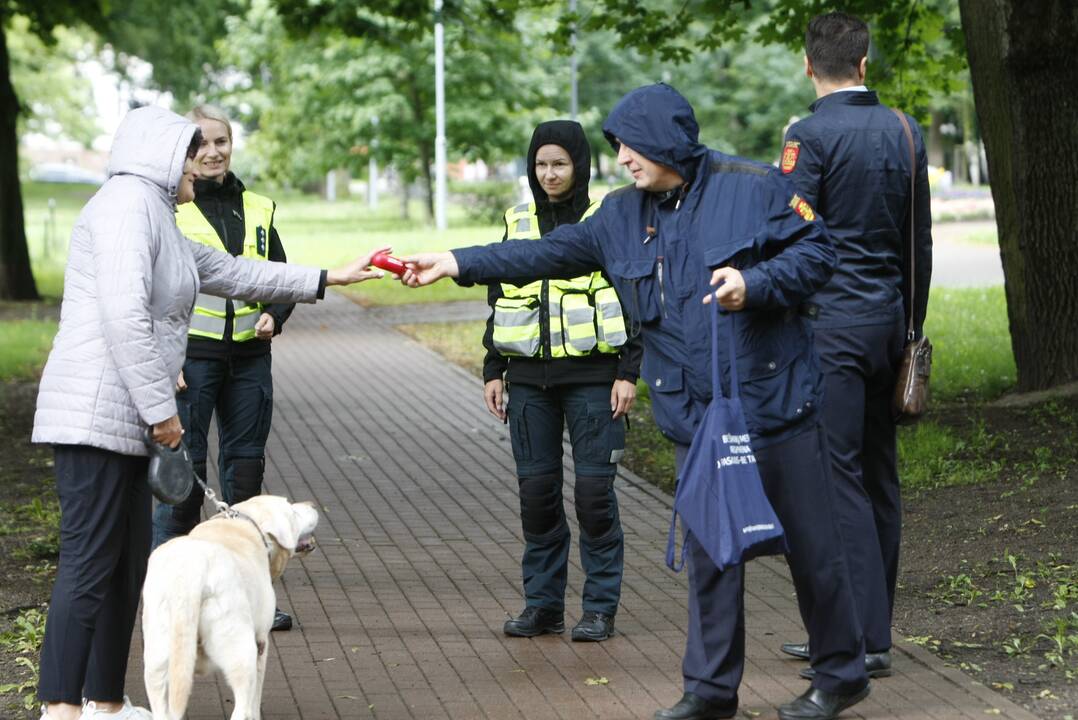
[[913, 174]]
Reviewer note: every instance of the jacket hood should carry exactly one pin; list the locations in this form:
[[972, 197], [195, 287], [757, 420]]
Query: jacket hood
[[657, 122], [569, 135], [151, 143]]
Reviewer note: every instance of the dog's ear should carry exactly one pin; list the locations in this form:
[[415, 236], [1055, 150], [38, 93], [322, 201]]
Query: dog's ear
[[282, 527]]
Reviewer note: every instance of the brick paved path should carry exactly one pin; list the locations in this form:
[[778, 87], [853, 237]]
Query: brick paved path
[[399, 611]]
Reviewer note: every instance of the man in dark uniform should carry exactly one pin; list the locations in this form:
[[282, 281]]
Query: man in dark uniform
[[851, 161], [695, 219]]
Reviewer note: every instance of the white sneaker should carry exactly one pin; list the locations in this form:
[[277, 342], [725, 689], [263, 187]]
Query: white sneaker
[[127, 712]]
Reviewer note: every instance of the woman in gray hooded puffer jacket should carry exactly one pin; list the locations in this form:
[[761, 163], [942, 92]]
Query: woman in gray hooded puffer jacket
[[108, 386]]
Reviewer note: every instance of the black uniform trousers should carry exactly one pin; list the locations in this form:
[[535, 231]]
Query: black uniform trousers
[[860, 365], [104, 547], [797, 480]]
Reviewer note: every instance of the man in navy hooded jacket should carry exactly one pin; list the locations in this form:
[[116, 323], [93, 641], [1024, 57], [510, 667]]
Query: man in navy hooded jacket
[[693, 219]]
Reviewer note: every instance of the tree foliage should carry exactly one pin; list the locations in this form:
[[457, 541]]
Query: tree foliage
[[335, 84], [55, 98], [918, 47]]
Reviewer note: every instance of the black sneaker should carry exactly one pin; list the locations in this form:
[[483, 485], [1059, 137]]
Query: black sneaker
[[593, 627], [281, 620], [535, 621]]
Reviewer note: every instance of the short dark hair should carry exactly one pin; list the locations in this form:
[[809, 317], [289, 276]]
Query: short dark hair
[[196, 142], [835, 44]]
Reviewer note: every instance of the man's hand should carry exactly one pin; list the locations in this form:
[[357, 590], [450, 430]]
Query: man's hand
[[493, 396], [181, 384], [425, 268], [356, 271], [263, 328], [168, 432], [731, 292], [622, 397]]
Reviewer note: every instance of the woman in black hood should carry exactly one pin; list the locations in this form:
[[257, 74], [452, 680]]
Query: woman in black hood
[[561, 348]]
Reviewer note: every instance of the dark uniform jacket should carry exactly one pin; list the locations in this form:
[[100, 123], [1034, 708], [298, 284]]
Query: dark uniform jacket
[[851, 161], [597, 368], [733, 212], [222, 204]]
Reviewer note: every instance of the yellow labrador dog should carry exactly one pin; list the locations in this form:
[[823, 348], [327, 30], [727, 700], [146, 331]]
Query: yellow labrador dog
[[208, 602]]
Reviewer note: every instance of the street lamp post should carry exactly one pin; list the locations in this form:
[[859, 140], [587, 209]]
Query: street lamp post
[[440, 198]]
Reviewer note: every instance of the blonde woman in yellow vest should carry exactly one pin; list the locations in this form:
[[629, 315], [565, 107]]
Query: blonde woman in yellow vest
[[560, 349], [227, 372]]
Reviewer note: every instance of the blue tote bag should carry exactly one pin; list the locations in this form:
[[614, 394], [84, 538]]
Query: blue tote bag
[[720, 496]]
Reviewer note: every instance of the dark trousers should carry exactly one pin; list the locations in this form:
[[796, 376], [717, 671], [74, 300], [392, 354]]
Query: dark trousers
[[240, 391], [797, 481], [537, 417], [860, 365], [104, 546]]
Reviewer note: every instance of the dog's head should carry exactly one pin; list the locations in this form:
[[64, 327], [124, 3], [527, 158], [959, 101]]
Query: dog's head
[[288, 526]]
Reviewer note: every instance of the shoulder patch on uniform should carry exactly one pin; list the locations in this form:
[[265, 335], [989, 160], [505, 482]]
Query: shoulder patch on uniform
[[802, 208], [790, 151]]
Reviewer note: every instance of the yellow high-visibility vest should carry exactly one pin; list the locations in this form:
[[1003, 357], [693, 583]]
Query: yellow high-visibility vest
[[584, 314], [208, 320]]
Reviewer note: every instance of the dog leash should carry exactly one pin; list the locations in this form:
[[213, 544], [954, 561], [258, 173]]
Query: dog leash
[[228, 512]]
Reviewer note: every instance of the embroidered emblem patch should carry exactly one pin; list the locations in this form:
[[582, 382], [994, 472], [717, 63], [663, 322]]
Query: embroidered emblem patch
[[802, 208], [790, 151]]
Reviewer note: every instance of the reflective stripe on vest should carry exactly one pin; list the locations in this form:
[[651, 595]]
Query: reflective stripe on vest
[[584, 315], [211, 312]]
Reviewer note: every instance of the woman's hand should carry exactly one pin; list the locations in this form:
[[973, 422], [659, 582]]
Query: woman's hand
[[493, 396], [181, 384], [168, 432], [356, 271], [622, 397], [263, 328], [425, 268]]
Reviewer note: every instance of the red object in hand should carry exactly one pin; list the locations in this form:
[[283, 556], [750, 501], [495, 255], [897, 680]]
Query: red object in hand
[[388, 263]]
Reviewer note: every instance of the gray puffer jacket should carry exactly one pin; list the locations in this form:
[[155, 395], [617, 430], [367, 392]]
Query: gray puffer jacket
[[129, 291]]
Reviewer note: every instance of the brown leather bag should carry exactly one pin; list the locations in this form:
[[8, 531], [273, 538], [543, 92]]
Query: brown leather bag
[[911, 389]]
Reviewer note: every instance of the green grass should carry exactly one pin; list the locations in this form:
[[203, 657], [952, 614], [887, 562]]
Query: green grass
[[459, 342], [24, 345], [986, 237], [971, 344]]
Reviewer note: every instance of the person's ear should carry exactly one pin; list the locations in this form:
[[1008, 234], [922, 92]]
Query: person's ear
[[808, 68], [862, 68]]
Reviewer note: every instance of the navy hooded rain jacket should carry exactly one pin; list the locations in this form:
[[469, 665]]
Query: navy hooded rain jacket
[[659, 251]]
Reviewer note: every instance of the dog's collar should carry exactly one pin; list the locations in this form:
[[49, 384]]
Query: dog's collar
[[232, 514]]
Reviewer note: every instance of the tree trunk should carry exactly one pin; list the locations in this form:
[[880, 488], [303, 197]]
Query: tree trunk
[[16, 276], [1025, 82]]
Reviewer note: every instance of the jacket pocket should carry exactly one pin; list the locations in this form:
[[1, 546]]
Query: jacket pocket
[[637, 284], [720, 255], [777, 395], [516, 326]]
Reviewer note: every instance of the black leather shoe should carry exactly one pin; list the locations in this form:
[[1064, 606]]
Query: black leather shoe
[[281, 620], [877, 665], [816, 704], [693, 707], [798, 650], [535, 621], [593, 627]]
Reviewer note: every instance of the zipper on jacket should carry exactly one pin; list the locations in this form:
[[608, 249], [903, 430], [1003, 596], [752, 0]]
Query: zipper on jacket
[[544, 314], [662, 292]]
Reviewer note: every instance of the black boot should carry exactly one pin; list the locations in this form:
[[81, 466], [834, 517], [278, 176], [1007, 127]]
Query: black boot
[[816, 704], [593, 627], [693, 707], [535, 621], [281, 620]]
